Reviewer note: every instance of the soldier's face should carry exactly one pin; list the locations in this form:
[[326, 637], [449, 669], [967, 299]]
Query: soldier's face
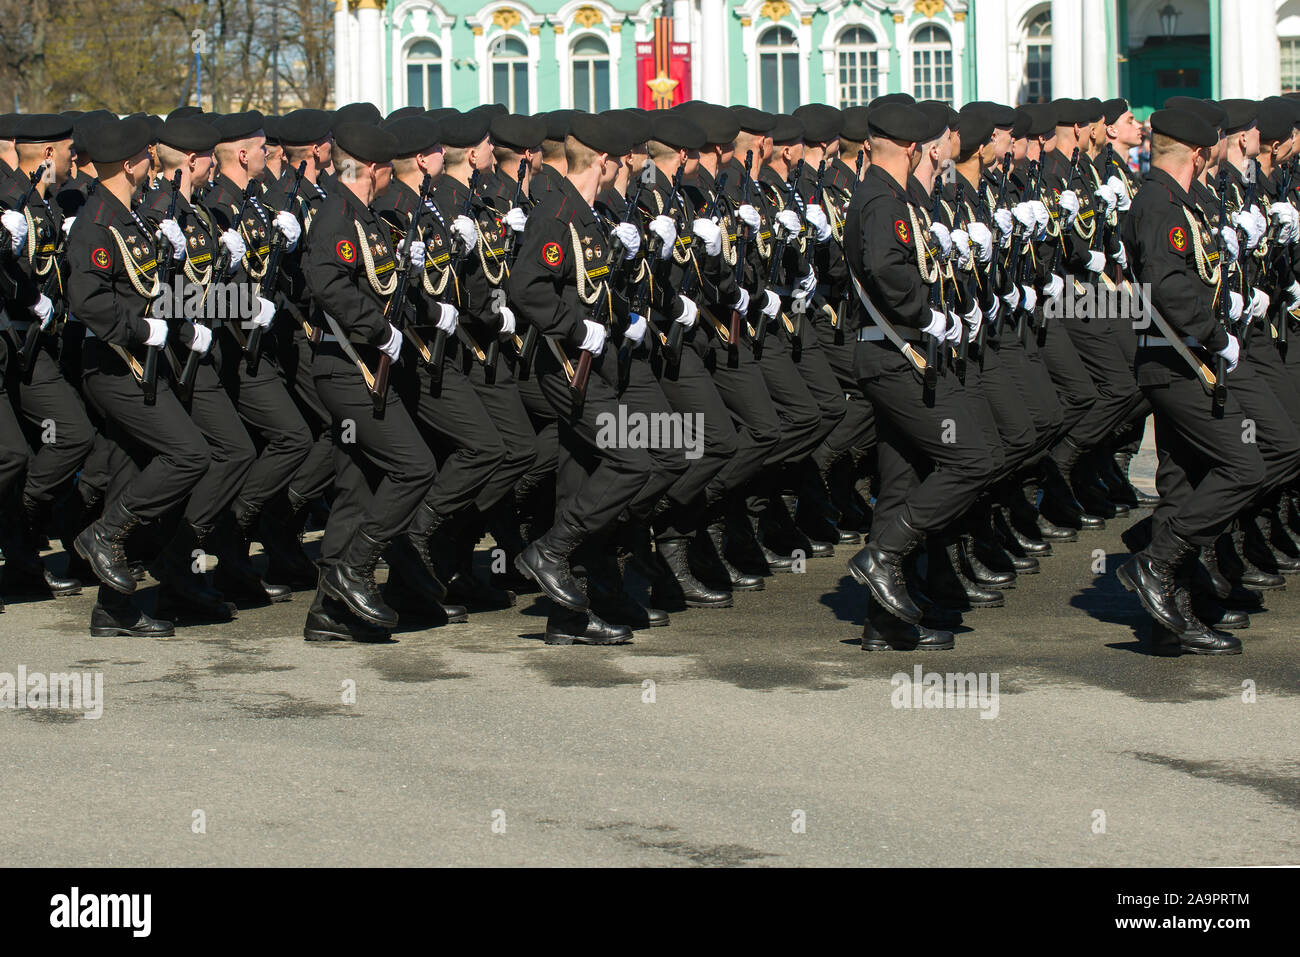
[[202, 166], [255, 156], [383, 177], [1252, 142], [1019, 149], [137, 168], [608, 169], [325, 153], [431, 162], [1127, 131], [1001, 142], [62, 160], [481, 156]]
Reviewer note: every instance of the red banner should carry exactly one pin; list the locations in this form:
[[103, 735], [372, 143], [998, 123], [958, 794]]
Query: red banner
[[663, 69]]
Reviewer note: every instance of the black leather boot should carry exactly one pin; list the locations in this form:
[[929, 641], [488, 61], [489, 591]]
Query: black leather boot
[[980, 573], [1137, 497], [1150, 573], [566, 627], [709, 561], [183, 594], [1217, 616], [235, 576], [779, 532], [609, 598], [286, 563], [24, 570], [1003, 552], [1207, 573], [411, 589], [422, 539], [1197, 639], [546, 561], [879, 566], [352, 581], [945, 581], [675, 587], [1059, 505], [103, 546], [746, 550], [1235, 561], [1017, 542], [330, 620], [503, 526], [1265, 553], [114, 616], [883, 632]]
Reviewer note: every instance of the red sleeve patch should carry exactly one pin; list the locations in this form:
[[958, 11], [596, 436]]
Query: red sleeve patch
[[1178, 239], [100, 258], [903, 233], [552, 255], [347, 250]]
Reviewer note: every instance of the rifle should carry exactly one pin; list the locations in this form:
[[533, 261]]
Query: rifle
[[393, 311], [845, 299], [456, 266], [1222, 308], [616, 249], [994, 279], [27, 353], [166, 267], [960, 356], [270, 277], [742, 250], [773, 276], [692, 280], [675, 334], [1288, 170], [792, 187]]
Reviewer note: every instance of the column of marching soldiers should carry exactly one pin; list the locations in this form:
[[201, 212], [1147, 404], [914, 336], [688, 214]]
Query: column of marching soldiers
[[943, 330]]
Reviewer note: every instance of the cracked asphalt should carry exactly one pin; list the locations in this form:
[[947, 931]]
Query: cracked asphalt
[[758, 736]]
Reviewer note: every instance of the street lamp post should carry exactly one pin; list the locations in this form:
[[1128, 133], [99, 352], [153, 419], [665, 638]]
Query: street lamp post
[[1169, 20]]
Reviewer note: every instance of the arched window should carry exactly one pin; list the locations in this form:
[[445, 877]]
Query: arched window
[[424, 75], [509, 59], [932, 64], [859, 73], [1289, 57], [590, 74], [778, 70], [1038, 59]]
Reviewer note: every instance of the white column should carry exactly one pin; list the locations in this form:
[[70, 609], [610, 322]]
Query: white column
[[1095, 67], [372, 54], [1067, 49], [1232, 36], [713, 69], [342, 74], [992, 62], [1258, 47]]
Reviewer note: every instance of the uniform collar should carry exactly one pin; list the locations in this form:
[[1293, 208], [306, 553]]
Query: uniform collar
[[1157, 175]]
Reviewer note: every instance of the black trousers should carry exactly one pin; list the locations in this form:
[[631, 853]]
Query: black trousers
[[57, 422], [384, 468], [857, 429], [229, 446], [813, 364], [167, 454], [692, 392], [1097, 344], [754, 416], [316, 474], [801, 418], [505, 408], [13, 449], [996, 381]]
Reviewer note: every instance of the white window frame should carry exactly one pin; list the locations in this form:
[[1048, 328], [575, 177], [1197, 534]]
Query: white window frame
[[570, 96], [915, 47], [870, 51], [1031, 42], [782, 51]]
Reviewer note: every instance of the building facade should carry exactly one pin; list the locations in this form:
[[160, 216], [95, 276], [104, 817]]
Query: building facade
[[777, 54]]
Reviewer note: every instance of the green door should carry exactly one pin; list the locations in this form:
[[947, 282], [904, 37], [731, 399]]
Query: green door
[[1161, 69]]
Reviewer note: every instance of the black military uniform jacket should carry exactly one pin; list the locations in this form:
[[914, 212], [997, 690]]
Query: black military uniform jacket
[[396, 208], [483, 267], [225, 201], [201, 254], [18, 286], [545, 180], [292, 299], [44, 234], [794, 265]]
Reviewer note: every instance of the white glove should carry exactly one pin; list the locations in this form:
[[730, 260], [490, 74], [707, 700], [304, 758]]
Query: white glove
[[1122, 199], [1231, 352], [171, 231], [1041, 216], [15, 223], [202, 339], [961, 242], [234, 244], [741, 305], [1011, 299], [748, 215], [1121, 257], [773, 304], [289, 228], [157, 332], [689, 312], [974, 318], [43, 310], [938, 325], [662, 226], [67, 225], [1231, 249], [265, 312], [817, 219], [807, 284], [982, 237], [788, 220], [710, 234], [465, 231], [1096, 261], [1030, 296], [1293, 296], [1107, 196], [1055, 287], [1005, 221], [1235, 305], [1069, 204], [630, 238], [1259, 303], [594, 340], [954, 328], [1250, 226], [393, 347], [1023, 213], [448, 317], [516, 219], [507, 321], [1285, 215], [636, 329], [940, 234], [1261, 221], [415, 254]]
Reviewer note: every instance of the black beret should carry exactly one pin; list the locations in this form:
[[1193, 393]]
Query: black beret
[[1069, 112], [1277, 119], [974, 126], [635, 123], [441, 112], [1112, 110], [491, 109], [404, 111], [468, 129], [821, 123], [71, 114], [558, 123], [1042, 119], [1096, 109], [8, 122], [788, 129], [1184, 126], [79, 127], [155, 124], [414, 134], [900, 121], [237, 126], [365, 142], [1206, 110], [718, 123], [941, 116], [1020, 129], [517, 131], [1241, 114], [1000, 116], [305, 127], [191, 135], [42, 128], [893, 98], [676, 130], [853, 124], [114, 141], [183, 111], [752, 120], [598, 134], [358, 113], [271, 127]]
